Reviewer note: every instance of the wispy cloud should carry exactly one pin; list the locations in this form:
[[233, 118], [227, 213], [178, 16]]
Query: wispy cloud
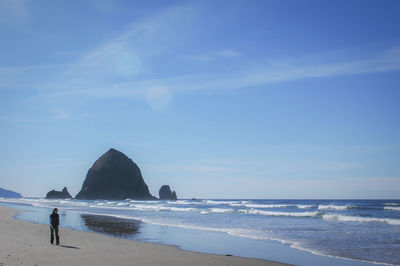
[[263, 74], [123, 57], [18, 119], [124, 66], [214, 56], [116, 68], [13, 11], [60, 113], [228, 53], [293, 69]]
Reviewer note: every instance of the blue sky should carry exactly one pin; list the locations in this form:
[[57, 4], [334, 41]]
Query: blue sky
[[218, 99]]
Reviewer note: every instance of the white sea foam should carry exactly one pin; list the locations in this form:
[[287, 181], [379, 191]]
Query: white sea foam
[[161, 208], [335, 207], [218, 202], [145, 201], [345, 218], [181, 202], [273, 213], [305, 206], [262, 206], [183, 209], [221, 210], [392, 208], [391, 204], [248, 233]]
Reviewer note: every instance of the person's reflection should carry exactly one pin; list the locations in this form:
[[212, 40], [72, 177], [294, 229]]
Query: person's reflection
[[111, 225]]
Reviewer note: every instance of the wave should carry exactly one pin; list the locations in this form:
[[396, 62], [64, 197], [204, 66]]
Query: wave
[[220, 210], [142, 207], [218, 202], [183, 202], [240, 232], [392, 208], [305, 206], [272, 213], [335, 207], [262, 206], [345, 218], [42, 202], [391, 204]]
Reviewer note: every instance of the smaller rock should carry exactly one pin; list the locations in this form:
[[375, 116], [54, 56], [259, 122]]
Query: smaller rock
[[165, 193], [64, 194]]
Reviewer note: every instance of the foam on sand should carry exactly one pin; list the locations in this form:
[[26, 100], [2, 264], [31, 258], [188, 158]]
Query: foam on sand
[[84, 248]]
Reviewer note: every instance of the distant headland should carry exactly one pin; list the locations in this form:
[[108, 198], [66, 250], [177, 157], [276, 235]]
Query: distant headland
[[5, 193]]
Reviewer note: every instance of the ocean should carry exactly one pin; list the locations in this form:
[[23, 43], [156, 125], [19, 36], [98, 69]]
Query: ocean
[[301, 232]]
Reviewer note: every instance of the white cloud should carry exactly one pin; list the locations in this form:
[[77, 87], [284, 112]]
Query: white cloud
[[60, 113], [12, 11], [158, 97], [214, 56], [124, 57], [122, 66], [229, 53], [18, 119]]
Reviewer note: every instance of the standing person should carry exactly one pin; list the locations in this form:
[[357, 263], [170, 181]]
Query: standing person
[[54, 223]]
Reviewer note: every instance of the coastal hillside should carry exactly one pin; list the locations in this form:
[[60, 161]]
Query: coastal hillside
[[5, 193]]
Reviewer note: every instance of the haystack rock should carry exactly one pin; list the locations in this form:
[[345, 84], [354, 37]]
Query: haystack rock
[[166, 194], [5, 193], [64, 194], [114, 177]]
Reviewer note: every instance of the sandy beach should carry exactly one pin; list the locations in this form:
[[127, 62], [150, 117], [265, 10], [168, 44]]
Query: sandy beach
[[24, 243]]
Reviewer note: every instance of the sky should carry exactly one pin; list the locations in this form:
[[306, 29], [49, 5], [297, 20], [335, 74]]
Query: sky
[[218, 99]]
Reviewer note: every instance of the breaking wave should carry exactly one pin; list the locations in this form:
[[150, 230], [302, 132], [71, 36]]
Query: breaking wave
[[272, 213], [335, 207], [262, 206], [345, 218], [392, 208], [305, 206], [220, 210]]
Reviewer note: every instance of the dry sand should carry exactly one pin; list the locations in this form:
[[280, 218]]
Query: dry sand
[[23, 243]]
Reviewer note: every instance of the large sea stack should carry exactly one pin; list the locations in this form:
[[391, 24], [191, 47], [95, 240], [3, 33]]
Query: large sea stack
[[114, 176], [64, 194]]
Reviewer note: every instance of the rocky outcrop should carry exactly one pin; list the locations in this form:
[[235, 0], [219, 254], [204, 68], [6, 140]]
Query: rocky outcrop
[[166, 194], [64, 194], [5, 193], [114, 176]]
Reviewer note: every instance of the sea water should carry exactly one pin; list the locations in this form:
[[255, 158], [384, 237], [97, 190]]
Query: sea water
[[360, 231]]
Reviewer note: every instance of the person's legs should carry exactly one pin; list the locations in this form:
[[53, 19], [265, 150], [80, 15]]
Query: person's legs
[[52, 234], [57, 236]]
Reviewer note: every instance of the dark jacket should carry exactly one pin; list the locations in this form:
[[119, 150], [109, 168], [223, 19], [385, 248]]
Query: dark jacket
[[54, 219]]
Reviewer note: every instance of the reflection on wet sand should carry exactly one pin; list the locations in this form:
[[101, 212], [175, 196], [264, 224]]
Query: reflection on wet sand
[[111, 225]]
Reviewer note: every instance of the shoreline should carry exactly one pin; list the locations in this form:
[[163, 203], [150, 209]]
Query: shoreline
[[25, 242]]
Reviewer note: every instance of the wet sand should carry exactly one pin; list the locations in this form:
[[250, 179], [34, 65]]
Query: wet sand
[[23, 243]]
